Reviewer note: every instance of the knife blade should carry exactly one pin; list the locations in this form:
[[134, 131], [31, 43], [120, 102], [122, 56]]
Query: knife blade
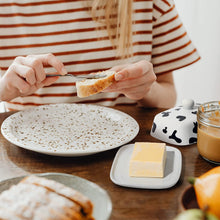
[[82, 76]]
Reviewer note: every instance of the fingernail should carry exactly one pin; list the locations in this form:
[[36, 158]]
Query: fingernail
[[64, 71], [118, 77]]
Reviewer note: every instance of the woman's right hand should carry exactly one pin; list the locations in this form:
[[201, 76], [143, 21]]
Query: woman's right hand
[[26, 75]]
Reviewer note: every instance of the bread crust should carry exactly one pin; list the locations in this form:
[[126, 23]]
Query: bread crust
[[62, 190], [90, 87]]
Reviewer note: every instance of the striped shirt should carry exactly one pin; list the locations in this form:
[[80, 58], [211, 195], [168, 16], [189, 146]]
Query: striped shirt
[[66, 29]]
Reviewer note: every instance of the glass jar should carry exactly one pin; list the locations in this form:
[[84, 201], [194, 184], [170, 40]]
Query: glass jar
[[208, 134]]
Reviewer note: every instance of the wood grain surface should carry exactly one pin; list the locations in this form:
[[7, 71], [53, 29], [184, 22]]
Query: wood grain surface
[[128, 203]]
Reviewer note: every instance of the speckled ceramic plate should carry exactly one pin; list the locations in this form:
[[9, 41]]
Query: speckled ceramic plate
[[69, 129], [98, 196]]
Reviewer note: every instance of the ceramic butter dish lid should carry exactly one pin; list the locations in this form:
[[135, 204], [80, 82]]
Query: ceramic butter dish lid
[[178, 125]]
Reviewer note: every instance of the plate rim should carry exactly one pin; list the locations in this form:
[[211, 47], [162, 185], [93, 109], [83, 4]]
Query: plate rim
[[178, 158], [74, 152], [109, 206]]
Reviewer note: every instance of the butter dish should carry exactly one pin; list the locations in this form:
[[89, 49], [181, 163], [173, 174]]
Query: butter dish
[[178, 125], [119, 173]]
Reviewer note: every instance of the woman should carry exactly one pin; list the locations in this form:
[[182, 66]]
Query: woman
[[143, 40]]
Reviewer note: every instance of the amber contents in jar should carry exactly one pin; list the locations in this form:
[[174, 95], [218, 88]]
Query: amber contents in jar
[[208, 138]]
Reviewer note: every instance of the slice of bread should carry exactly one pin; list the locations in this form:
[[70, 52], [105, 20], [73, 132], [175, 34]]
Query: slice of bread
[[89, 87]]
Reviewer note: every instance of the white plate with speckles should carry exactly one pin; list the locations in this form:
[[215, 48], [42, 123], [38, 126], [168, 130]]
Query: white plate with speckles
[[69, 129]]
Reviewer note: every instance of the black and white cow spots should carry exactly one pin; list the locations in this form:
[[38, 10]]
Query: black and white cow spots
[[195, 112], [165, 114], [177, 109], [173, 136], [192, 140], [195, 124], [165, 130], [153, 127], [176, 126], [180, 117]]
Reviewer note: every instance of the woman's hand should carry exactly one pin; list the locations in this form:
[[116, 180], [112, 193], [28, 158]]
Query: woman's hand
[[133, 80], [26, 75], [138, 82]]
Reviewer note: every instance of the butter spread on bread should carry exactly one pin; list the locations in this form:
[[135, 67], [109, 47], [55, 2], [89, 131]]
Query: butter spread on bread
[[89, 87]]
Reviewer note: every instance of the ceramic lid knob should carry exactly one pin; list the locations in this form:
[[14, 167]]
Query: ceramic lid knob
[[188, 103]]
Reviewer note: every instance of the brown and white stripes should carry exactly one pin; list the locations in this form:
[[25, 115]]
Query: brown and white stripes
[[66, 29]]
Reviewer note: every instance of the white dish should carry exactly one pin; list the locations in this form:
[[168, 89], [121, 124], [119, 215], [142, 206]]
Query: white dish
[[120, 170], [98, 196], [69, 129]]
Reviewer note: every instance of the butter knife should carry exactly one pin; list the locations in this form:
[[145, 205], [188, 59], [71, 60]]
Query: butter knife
[[82, 76]]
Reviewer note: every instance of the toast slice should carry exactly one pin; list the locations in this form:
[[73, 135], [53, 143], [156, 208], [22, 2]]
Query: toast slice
[[90, 87]]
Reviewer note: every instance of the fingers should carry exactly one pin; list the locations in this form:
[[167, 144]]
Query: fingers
[[26, 75], [134, 93], [130, 84], [25, 72], [134, 80], [49, 80], [20, 84], [26, 89], [134, 70], [118, 86], [51, 60], [119, 67], [37, 63]]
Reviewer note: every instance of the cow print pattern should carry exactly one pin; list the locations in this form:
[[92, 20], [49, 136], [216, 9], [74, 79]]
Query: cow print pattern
[[180, 117], [165, 130], [165, 114], [195, 112], [173, 136], [154, 127], [192, 140], [195, 127], [169, 126]]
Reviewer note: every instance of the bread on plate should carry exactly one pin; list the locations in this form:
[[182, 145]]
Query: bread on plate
[[38, 198]]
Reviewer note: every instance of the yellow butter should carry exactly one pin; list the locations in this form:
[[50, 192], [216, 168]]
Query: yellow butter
[[148, 160]]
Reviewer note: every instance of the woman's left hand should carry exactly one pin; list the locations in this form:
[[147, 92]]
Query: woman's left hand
[[133, 80]]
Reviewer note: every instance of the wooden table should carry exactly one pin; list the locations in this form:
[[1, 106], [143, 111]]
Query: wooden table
[[128, 203]]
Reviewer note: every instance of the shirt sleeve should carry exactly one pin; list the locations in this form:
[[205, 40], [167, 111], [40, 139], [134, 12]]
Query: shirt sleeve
[[172, 48]]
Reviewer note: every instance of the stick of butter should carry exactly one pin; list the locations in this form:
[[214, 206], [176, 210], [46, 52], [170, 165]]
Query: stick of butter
[[148, 160]]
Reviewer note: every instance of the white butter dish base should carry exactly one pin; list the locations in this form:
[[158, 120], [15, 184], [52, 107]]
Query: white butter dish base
[[119, 173]]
